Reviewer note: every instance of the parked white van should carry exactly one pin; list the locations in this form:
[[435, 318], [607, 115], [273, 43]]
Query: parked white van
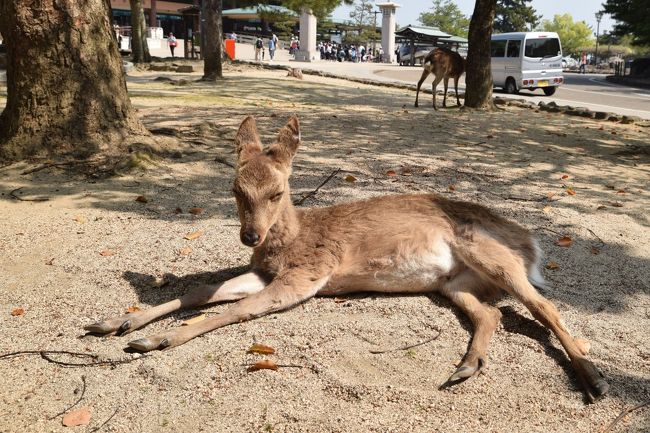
[[527, 60]]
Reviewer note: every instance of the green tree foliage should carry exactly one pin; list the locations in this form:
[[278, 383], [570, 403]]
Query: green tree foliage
[[573, 35], [632, 18], [320, 8], [515, 16], [447, 17], [363, 28]]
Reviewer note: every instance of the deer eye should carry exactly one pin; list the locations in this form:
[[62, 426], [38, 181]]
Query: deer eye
[[277, 197]]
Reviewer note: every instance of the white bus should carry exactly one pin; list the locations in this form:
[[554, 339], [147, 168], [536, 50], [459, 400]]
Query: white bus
[[527, 60]]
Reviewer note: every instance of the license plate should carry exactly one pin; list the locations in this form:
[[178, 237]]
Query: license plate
[[542, 83]]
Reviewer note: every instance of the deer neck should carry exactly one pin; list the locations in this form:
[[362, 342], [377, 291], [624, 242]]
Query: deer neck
[[285, 229]]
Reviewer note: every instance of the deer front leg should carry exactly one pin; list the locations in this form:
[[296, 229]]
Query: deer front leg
[[456, 90], [229, 290], [436, 80], [424, 76], [444, 98], [282, 293]]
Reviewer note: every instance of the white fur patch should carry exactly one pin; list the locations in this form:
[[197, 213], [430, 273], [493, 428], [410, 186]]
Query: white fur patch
[[426, 267], [534, 275]]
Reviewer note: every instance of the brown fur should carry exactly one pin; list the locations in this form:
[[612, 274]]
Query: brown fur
[[400, 243], [444, 64]]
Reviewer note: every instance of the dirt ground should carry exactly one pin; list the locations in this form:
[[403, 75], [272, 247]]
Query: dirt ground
[[557, 175]]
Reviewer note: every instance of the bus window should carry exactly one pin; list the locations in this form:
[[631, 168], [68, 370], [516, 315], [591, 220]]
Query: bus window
[[498, 48], [543, 47], [514, 48]]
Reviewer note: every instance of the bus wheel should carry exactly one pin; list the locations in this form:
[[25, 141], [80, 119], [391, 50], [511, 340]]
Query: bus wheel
[[549, 91], [511, 86]]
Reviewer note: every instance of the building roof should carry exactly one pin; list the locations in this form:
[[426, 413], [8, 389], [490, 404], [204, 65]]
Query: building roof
[[253, 11], [422, 33]]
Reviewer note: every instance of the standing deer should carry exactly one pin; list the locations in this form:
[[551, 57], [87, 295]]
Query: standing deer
[[394, 244], [444, 64]]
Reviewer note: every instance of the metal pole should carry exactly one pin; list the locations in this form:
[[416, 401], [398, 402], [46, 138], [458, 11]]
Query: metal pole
[[599, 16]]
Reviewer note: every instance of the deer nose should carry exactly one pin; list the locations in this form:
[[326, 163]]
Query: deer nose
[[250, 238]]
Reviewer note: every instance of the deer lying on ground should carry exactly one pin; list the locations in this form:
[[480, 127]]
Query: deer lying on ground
[[444, 64], [393, 244]]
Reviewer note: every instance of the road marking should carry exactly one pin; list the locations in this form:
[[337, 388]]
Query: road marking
[[603, 82], [645, 95], [571, 89]]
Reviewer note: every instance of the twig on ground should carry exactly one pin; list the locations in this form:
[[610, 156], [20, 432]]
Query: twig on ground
[[83, 391], [54, 164], [410, 346], [95, 429], [602, 243], [47, 355], [224, 161], [550, 230], [13, 194], [313, 193], [623, 414]]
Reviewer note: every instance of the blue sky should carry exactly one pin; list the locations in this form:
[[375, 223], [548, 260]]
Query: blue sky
[[582, 10]]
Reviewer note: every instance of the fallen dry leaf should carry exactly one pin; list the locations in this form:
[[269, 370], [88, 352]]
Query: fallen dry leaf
[[452, 188], [595, 250], [547, 209], [196, 210], [106, 253], [79, 219], [617, 204], [158, 282], [564, 241], [194, 235], [178, 210], [261, 348], [142, 199], [77, 417], [565, 176], [570, 191], [133, 309], [601, 207], [552, 265], [50, 262], [350, 178], [550, 195], [18, 311], [391, 173], [265, 364], [195, 319], [490, 136], [185, 251], [621, 191]]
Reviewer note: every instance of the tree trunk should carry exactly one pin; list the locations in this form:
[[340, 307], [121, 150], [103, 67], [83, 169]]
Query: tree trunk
[[139, 47], [66, 92], [478, 92], [213, 42]]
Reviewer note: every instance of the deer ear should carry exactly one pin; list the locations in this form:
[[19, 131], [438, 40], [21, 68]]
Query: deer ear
[[288, 140], [247, 140]]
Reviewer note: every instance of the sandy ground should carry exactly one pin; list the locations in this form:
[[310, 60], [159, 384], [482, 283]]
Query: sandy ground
[[514, 161]]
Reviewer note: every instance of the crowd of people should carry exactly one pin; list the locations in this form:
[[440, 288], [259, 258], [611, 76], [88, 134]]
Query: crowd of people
[[349, 53]]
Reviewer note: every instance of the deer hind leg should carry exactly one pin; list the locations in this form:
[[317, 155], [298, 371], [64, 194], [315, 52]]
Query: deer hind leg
[[433, 89], [456, 90], [444, 97], [230, 290], [280, 294], [425, 74], [465, 291], [502, 266]]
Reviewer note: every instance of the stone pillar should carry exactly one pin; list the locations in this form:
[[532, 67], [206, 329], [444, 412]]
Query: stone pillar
[[307, 52], [388, 30]]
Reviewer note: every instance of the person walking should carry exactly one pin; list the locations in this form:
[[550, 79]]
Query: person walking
[[259, 44], [583, 63], [271, 48], [171, 41]]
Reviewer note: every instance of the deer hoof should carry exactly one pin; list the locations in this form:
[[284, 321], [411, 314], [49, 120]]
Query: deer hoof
[[145, 344], [468, 369], [124, 327], [99, 328]]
